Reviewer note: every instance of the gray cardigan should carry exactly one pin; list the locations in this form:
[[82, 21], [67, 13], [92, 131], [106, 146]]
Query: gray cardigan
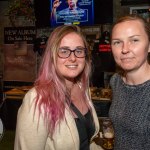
[[130, 113]]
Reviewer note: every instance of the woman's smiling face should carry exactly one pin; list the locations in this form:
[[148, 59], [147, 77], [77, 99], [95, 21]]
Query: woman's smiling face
[[71, 67]]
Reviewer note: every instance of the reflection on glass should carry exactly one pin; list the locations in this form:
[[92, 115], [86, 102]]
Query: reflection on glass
[[108, 134]]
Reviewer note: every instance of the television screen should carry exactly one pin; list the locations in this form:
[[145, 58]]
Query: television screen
[[52, 13], [80, 12]]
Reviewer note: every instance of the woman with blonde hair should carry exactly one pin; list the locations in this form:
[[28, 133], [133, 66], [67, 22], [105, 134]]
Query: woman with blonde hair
[[57, 113]]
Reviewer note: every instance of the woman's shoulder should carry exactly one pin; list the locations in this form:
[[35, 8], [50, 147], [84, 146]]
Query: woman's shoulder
[[115, 80], [30, 96], [114, 77], [32, 91], [27, 107]]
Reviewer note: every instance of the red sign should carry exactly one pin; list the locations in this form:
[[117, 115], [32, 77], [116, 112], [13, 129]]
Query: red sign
[[104, 47]]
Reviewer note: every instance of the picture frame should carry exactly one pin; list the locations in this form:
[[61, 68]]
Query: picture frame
[[143, 11]]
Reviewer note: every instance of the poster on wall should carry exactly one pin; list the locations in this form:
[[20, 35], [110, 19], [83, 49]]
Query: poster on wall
[[19, 34], [19, 57], [20, 65]]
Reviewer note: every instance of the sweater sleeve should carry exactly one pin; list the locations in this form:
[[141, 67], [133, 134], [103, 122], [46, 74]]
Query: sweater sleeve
[[31, 133]]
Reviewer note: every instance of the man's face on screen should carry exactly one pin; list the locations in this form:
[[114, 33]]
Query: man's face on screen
[[72, 3]]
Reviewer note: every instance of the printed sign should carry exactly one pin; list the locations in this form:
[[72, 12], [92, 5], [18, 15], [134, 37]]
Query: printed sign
[[13, 34]]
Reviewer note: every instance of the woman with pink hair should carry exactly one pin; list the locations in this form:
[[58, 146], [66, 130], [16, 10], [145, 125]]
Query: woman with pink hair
[[57, 114]]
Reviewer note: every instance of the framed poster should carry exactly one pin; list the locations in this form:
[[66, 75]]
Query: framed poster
[[143, 11]]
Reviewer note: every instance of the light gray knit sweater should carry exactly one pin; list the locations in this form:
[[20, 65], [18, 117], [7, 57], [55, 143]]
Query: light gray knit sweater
[[130, 113]]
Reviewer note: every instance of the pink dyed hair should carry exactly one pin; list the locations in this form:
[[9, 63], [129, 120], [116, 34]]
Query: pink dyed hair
[[51, 89]]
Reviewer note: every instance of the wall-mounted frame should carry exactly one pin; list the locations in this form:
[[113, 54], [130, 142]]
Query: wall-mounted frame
[[143, 11]]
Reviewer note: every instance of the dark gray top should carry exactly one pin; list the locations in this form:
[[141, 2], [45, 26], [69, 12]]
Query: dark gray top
[[130, 113]]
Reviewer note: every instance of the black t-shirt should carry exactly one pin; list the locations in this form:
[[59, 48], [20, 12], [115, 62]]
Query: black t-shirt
[[85, 131]]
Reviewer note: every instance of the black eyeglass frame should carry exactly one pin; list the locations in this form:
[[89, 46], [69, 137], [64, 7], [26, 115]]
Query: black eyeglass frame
[[73, 51]]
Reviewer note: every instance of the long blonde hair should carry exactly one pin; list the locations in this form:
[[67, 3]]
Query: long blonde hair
[[52, 93]]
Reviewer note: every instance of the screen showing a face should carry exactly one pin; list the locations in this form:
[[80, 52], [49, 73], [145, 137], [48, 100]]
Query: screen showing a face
[[79, 12]]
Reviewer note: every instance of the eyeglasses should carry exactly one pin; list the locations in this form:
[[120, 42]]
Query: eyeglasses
[[65, 52]]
